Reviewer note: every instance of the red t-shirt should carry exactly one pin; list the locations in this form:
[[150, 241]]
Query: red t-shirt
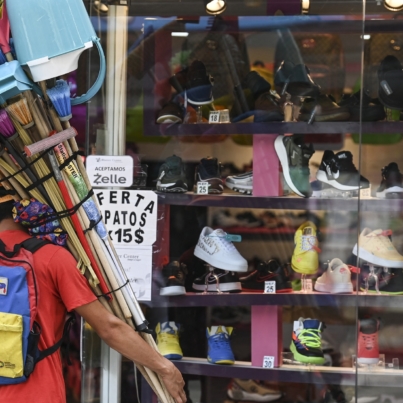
[[61, 288]]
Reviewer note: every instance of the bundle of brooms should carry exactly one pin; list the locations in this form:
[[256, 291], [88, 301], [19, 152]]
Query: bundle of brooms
[[37, 163]]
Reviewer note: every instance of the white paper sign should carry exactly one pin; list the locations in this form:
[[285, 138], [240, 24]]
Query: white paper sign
[[130, 216], [269, 287], [214, 117], [110, 170], [202, 188], [268, 361], [137, 263]]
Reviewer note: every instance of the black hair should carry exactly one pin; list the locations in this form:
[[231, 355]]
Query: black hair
[[6, 210]]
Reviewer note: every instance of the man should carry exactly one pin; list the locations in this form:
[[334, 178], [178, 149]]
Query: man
[[63, 288]]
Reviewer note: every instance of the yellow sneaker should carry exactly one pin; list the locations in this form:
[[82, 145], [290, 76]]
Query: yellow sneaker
[[168, 340], [375, 247], [305, 258]]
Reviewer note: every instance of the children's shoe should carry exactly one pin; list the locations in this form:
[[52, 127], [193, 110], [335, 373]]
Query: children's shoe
[[391, 186], [174, 275], [336, 279], [305, 258], [368, 347], [306, 343], [172, 176], [219, 347], [375, 247], [252, 391], [168, 340], [216, 249]]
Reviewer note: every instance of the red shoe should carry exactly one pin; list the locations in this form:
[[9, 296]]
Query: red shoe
[[368, 347]]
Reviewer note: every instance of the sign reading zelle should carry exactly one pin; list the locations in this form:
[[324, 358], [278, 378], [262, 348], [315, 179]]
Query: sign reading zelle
[[130, 216], [110, 170]]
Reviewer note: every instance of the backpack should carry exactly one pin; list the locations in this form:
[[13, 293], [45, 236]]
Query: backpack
[[19, 332]]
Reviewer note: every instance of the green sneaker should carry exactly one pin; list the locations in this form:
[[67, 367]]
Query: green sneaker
[[294, 158]]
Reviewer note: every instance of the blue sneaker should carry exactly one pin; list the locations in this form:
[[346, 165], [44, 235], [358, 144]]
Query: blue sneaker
[[219, 347]]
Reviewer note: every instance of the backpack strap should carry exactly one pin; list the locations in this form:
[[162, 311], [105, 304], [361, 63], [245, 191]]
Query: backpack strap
[[31, 244]]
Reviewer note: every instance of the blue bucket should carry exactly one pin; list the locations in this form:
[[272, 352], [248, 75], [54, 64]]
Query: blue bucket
[[49, 37]]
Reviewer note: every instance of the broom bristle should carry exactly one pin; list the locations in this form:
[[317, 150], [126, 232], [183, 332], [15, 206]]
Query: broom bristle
[[60, 97], [7, 128], [20, 112]]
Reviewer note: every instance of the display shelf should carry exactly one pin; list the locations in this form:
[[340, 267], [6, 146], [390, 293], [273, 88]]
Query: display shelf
[[283, 203], [296, 298], [383, 127], [292, 373]]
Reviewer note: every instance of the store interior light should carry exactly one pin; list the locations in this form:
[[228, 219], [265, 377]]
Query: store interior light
[[393, 5], [180, 34], [305, 4], [215, 7], [101, 7]]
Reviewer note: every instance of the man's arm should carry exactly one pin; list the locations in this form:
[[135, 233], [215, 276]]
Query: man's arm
[[122, 338]]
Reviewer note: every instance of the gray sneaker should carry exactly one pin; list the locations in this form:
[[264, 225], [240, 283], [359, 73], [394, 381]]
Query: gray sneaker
[[172, 176], [294, 158], [242, 183]]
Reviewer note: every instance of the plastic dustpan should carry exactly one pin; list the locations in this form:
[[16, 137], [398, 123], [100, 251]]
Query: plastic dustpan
[[13, 81]]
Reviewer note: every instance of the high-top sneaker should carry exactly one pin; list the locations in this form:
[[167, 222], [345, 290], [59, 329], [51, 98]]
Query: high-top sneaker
[[223, 280], [391, 186], [339, 171], [294, 157], [368, 347], [199, 84], [271, 270], [219, 346], [174, 275], [172, 176], [215, 248], [306, 343], [252, 391], [168, 340], [209, 171], [305, 258]]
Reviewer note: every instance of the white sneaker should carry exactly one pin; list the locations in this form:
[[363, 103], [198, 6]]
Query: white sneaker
[[375, 247], [336, 279], [214, 248]]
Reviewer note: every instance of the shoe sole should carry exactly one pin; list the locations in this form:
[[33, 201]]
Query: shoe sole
[[335, 288], [175, 187], [227, 287], [282, 156], [173, 356], [174, 290], [222, 362], [169, 119], [253, 397], [322, 177], [394, 192], [383, 292], [306, 360], [283, 291], [240, 188], [376, 260], [223, 265]]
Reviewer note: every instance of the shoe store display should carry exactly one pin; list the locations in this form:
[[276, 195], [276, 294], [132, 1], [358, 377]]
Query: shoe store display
[[216, 249], [390, 281], [339, 171], [305, 258], [371, 110], [336, 279], [174, 275], [322, 109], [294, 157], [172, 176], [224, 280], [251, 391], [209, 171], [170, 113], [271, 270], [376, 247], [242, 183], [270, 104], [219, 345], [168, 340], [306, 343], [368, 346], [199, 84], [391, 186], [390, 78], [248, 220]]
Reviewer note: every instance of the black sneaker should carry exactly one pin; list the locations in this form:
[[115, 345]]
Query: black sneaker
[[271, 270], [339, 171], [391, 186], [390, 77], [209, 170], [228, 281], [172, 176], [199, 84], [294, 157], [170, 113], [174, 275], [390, 281]]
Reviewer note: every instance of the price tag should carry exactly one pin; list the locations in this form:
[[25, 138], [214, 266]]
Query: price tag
[[202, 188], [268, 361], [308, 285], [214, 117], [269, 287], [233, 238]]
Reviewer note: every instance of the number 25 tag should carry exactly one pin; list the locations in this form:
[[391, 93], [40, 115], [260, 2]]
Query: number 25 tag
[[202, 188]]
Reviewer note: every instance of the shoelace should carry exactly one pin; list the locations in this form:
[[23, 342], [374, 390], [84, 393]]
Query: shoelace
[[309, 242], [383, 238], [166, 337], [345, 164], [310, 338], [220, 340], [369, 341], [220, 236]]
